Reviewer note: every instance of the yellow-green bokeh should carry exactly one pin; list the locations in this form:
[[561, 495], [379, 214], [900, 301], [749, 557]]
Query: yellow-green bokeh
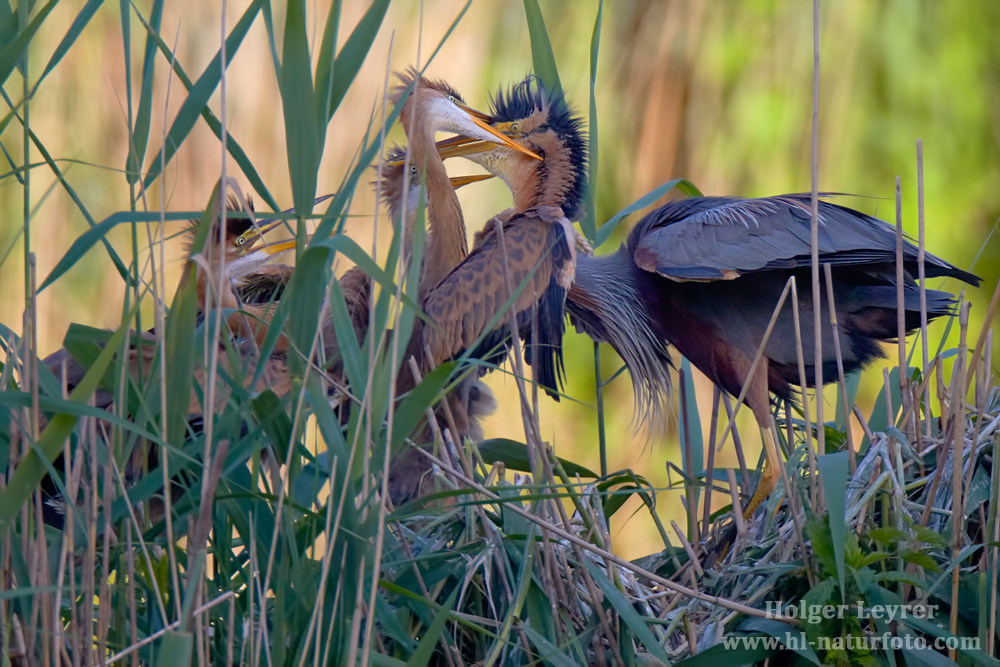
[[719, 92]]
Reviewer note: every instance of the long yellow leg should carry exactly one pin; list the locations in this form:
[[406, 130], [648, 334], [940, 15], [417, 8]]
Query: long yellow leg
[[768, 475]]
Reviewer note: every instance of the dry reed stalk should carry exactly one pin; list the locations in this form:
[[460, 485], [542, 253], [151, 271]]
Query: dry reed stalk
[[789, 285], [741, 526], [851, 456], [922, 277], [814, 480], [198, 611], [957, 451], [689, 490], [900, 306], [692, 556], [710, 468], [737, 443], [814, 251], [990, 314], [608, 556], [530, 422]]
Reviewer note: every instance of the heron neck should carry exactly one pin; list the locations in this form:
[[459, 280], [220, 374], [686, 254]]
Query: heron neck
[[446, 243], [543, 183]]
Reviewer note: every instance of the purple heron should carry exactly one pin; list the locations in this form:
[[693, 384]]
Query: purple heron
[[705, 274]]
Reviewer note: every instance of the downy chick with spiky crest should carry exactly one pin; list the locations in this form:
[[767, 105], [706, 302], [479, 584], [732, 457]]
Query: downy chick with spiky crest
[[542, 122]]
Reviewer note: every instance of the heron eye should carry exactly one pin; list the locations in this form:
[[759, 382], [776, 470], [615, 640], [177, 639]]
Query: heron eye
[[451, 98], [413, 169], [515, 127], [240, 240]]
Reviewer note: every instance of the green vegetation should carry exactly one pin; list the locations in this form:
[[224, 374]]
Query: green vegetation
[[280, 550]]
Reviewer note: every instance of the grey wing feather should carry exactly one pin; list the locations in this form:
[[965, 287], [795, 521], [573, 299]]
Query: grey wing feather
[[717, 238]]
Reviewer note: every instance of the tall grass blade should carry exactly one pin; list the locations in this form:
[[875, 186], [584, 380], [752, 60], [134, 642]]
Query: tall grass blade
[[324, 64], [303, 302], [200, 93], [542, 58], [425, 650], [112, 253], [79, 23], [589, 223], [682, 184], [99, 232], [11, 54], [175, 649], [234, 148], [629, 616], [140, 133], [332, 84], [303, 134], [30, 470]]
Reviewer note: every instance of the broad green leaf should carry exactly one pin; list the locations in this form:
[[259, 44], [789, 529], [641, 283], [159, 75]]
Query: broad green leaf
[[355, 366], [783, 632], [303, 303], [719, 655], [548, 652], [853, 381], [878, 420], [977, 656], [414, 407], [175, 649], [833, 471], [682, 184]]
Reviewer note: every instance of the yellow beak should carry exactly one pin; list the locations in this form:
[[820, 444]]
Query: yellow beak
[[459, 181], [459, 146], [503, 139]]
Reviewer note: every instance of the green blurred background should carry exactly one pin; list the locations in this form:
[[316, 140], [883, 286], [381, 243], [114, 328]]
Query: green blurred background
[[718, 92]]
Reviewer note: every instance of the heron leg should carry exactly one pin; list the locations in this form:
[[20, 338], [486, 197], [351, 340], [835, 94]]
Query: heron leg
[[769, 473]]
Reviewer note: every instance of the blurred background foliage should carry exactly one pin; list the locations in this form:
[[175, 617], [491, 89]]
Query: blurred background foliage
[[716, 92]]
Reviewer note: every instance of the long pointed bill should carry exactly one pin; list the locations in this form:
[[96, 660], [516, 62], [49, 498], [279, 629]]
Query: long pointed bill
[[459, 146], [252, 235], [249, 238], [503, 139], [459, 181], [473, 112]]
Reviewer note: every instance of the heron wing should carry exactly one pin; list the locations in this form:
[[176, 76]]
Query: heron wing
[[542, 263], [720, 238]]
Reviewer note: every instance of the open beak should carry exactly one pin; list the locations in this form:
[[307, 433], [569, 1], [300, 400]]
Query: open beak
[[502, 138], [459, 181], [485, 117], [252, 240], [459, 146], [247, 241]]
